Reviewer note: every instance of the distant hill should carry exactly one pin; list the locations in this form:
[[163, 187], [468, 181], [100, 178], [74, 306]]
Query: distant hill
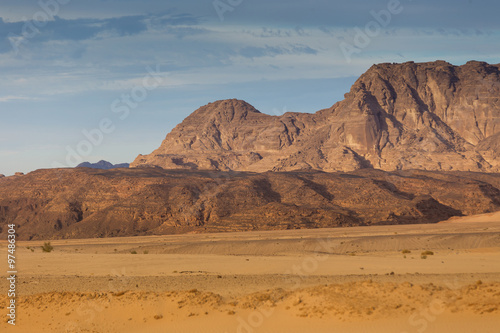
[[105, 165]]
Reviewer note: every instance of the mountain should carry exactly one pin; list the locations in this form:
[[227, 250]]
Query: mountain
[[410, 143], [88, 203], [104, 165], [428, 116]]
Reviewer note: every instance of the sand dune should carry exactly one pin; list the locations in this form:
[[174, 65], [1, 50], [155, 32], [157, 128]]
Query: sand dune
[[345, 280], [485, 218]]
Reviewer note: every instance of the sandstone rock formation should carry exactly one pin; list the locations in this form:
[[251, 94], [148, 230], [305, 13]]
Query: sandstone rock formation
[[87, 203], [104, 165], [428, 124], [429, 116]]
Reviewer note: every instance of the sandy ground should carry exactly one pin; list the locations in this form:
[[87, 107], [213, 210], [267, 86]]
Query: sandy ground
[[363, 279]]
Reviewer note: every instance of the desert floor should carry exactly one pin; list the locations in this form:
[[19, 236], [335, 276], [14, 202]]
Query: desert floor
[[323, 280]]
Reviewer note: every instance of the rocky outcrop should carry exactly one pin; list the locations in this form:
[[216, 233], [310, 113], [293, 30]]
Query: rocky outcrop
[[430, 116], [87, 203], [104, 165]]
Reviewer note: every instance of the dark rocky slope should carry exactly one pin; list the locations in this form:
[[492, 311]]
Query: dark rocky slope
[[86, 203]]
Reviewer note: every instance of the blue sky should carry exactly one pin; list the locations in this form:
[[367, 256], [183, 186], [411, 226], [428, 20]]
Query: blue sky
[[67, 66]]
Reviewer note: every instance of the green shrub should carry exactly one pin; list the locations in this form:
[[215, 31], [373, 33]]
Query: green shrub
[[47, 247], [133, 252]]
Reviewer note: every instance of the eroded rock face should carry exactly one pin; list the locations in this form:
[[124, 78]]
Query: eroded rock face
[[430, 116], [87, 203]]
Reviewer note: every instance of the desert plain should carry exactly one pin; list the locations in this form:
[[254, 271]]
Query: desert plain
[[357, 279]]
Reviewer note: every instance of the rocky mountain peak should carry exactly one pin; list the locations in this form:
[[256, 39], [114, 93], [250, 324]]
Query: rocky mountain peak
[[431, 116], [222, 111]]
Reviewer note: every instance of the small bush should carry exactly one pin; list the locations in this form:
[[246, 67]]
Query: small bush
[[146, 251], [47, 247], [406, 251], [427, 253], [423, 257], [133, 252]]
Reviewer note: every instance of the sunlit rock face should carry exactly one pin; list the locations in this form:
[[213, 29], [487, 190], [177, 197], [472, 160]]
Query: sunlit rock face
[[430, 116]]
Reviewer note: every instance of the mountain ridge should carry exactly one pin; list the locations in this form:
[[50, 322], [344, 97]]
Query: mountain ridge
[[229, 167], [90, 203], [102, 164], [428, 116]]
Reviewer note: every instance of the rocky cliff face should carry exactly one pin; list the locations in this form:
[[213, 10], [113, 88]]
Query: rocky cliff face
[[87, 203], [429, 116]]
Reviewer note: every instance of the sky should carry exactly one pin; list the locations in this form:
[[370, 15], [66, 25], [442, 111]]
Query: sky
[[85, 80]]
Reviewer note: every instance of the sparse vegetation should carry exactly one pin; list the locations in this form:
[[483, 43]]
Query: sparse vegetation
[[423, 257], [146, 252], [427, 253], [47, 247], [133, 252], [406, 251]]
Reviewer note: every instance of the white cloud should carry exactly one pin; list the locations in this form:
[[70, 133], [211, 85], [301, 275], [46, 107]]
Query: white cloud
[[4, 99]]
